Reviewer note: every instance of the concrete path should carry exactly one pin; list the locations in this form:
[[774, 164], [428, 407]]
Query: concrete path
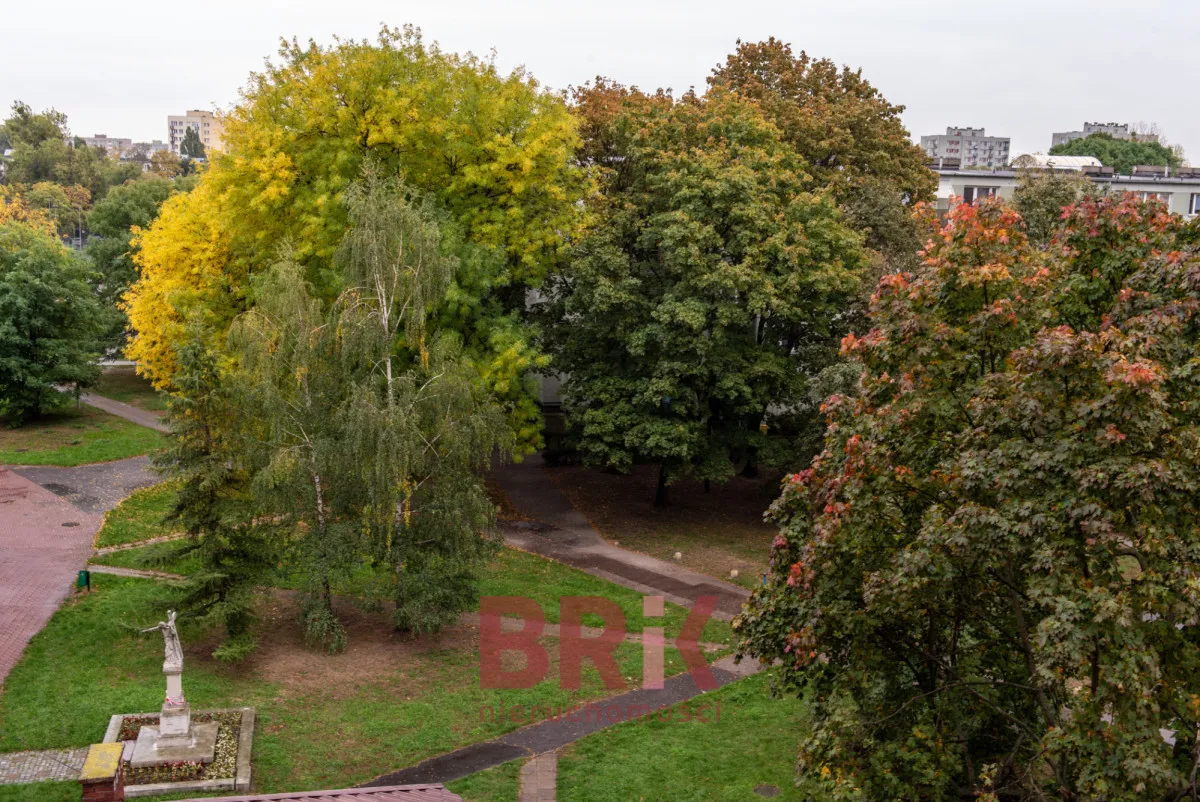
[[561, 532], [142, 417], [539, 779], [562, 727], [44, 541], [32, 767], [95, 488]]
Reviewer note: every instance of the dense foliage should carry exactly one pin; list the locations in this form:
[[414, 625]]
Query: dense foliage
[[986, 582], [1120, 154], [1041, 197], [492, 150], [49, 323], [697, 308], [345, 441]]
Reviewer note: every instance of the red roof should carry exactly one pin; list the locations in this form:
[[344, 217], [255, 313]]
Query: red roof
[[390, 793]]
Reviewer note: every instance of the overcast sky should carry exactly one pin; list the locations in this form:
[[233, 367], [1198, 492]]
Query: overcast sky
[[1021, 69]]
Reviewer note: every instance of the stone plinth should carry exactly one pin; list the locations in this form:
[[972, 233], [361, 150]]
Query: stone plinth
[[155, 749]]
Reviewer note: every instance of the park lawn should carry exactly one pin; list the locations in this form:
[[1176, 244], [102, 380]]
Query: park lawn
[[325, 721], [715, 532], [121, 383], [499, 784], [753, 743], [64, 791], [141, 516], [75, 437], [510, 573]]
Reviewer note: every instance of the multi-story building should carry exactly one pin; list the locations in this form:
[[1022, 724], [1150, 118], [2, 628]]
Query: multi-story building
[[971, 146], [1115, 130], [207, 125], [115, 146], [1179, 189]]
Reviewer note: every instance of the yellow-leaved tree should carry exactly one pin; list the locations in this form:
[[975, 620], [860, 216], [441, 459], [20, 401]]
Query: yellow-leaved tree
[[493, 152]]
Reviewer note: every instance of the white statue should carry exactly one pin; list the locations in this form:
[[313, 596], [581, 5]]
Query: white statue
[[174, 652]]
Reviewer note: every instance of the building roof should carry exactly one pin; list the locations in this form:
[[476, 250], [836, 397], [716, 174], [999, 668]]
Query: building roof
[[390, 793], [1055, 162]]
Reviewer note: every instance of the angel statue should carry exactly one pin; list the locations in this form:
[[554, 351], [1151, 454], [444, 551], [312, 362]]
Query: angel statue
[[174, 652]]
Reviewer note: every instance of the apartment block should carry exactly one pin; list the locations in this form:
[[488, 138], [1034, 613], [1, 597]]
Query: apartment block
[[971, 146], [206, 124], [1115, 130], [114, 145]]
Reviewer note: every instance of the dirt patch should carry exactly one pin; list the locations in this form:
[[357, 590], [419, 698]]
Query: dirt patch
[[375, 653], [715, 532]]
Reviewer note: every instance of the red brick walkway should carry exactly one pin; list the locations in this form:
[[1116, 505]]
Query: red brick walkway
[[44, 541]]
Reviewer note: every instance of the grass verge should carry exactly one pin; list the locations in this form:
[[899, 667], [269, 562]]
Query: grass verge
[[141, 516], [500, 784], [121, 383], [75, 437], [752, 743]]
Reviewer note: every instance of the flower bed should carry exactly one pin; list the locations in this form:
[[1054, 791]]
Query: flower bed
[[222, 767]]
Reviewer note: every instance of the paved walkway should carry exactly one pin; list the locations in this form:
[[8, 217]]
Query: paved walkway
[[561, 727], [32, 767], [561, 532], [95, 488], [44, 541], [142, 417], [539, 779]]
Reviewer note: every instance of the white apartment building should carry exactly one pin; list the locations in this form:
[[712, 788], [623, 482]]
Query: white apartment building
[[206, 124], [1181, 191], [971, 146]]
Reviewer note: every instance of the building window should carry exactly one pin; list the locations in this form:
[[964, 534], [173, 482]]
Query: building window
[[972, 194]]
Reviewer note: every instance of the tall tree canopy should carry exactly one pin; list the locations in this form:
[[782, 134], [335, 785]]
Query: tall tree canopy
[[494, 151], [1120, 154], [49, 322], [191, 147], [844, 129], [985, 584], [705, 294], [359, 433]]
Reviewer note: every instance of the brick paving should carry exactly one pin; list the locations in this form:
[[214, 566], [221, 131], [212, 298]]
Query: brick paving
[[32, 767], [44, 541], [539, 779]]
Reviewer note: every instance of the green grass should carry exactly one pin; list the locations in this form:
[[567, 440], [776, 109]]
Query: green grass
[[324, 722], [753, 743], [139, 517], [43, 792], [121, 383], [75, 437], [499, 784]]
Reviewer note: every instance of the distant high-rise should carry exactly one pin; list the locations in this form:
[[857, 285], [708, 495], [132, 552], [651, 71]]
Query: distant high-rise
[[208, 126], [1115, 130], [971, 146], [115, 146]]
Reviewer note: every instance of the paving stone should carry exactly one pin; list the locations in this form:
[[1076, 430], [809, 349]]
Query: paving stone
[[17, 768]]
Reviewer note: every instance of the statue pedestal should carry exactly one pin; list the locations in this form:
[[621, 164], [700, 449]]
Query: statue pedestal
[[199, 747], [175, 739]]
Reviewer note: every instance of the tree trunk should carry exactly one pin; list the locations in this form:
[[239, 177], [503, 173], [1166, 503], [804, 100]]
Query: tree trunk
[[660, 493]]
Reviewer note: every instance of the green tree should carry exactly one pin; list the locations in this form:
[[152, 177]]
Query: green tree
[[370, 432], [705, 296], [112, 223], [213, 505], [1120, 154], [191, 147], [494, 150], [49, 323], [985, 582], [1041, 197], [844, 129]]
